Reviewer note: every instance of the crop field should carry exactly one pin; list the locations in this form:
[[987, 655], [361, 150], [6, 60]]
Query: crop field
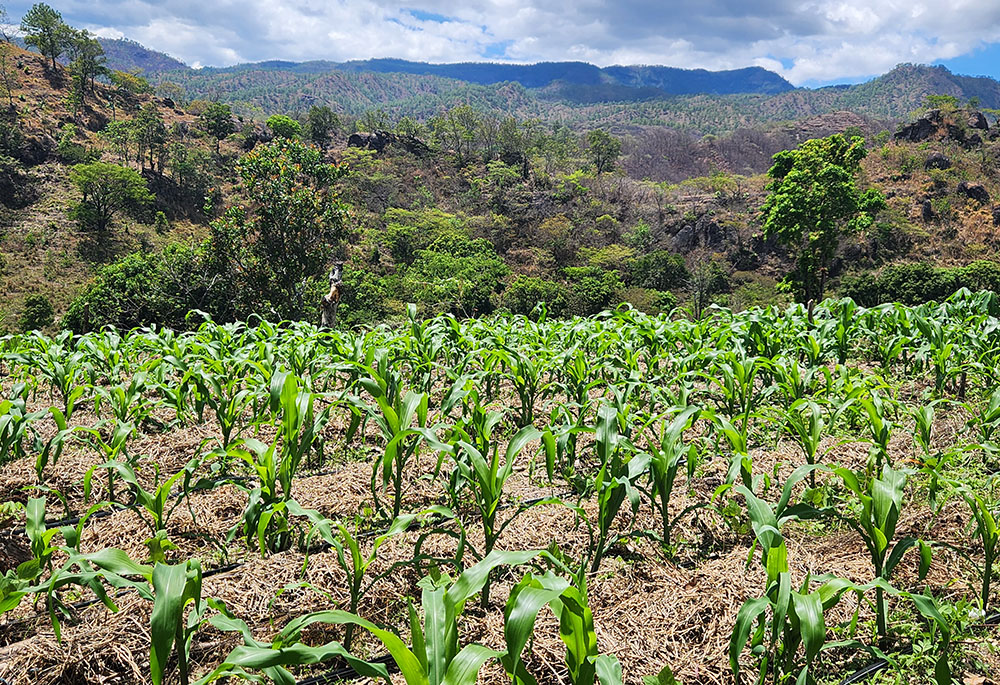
[[768, 496]]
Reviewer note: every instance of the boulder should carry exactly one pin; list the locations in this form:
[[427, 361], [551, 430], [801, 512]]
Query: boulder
[[974, 191], [977, 119], [936, 160], [379, 140], [996, 216]]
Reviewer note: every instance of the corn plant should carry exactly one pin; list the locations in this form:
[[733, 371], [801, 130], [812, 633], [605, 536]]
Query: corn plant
[[881, 502], [395, 422], [174, 588], [435, 657], [227, 400], [113, 448], [786, 620], [284, 650], [988, 533], [128, 404], [276, 464], [527, 373], [16, 427], [576, 628], [666, 455], [152, 506], [615, 481], [478, 469]]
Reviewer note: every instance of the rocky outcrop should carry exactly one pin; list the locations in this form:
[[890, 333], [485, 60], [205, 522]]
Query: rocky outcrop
[[965, 127], [379, 140], [974, 191], [936, 160], [996, 216], [704, 233]]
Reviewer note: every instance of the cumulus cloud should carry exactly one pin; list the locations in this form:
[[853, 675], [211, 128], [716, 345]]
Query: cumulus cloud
[[804, 40]]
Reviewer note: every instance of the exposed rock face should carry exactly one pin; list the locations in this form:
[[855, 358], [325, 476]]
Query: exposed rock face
[[936, 160], [974, 191], [996, 216], [379, 140], [703, 233], [961, 126]]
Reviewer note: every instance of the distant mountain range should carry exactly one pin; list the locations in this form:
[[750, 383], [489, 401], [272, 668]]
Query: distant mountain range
[[620, 97]]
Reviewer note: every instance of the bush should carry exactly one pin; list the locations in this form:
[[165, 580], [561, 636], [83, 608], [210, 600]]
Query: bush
[[142, 289], [37, 313], [592, 290], [918, 283], [284, 127], [659, 270], [456, 274], [525, 292]]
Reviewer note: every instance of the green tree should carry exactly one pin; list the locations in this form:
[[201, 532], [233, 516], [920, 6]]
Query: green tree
[[107, 189], [284, 126], [217, 121], [603, 149], [321, 122], [150, 135], [813, 199], [45, 29], [37, 313], [87, 60], [276, 244]]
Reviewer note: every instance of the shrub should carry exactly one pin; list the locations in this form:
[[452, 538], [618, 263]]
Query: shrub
[[592, 290], [141, 289], [284, 127], [37, 313], [659, 270], [525, 292]]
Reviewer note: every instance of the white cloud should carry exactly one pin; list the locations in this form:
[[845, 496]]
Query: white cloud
[[819, 39]]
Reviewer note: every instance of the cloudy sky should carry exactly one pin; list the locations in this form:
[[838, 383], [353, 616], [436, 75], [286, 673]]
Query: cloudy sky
[[809, 42]]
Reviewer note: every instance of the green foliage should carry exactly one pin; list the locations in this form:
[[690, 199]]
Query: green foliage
[[524, 293], [108, 190], [591, 289], [812, 201], [217, 121], [457, 274], [37, 313], [276, 246], [143, 289], [660, 270], [603, 149], [919, 282], [321, 123], [284, 126]]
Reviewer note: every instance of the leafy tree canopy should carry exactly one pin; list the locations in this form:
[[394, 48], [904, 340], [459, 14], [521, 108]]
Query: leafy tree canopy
[[813, 200]]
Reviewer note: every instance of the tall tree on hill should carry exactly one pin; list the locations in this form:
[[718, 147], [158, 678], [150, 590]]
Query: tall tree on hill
[[603, 149], [45, 29], [814, 200], [275, 245], [217, 121], [107, 190], [320, 125], [88, 60], [150, 135]]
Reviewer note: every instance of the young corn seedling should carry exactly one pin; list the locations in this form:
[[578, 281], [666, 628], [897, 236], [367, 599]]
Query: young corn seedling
[[526, 372], [786, 620], [435, 657], [881, 501], [615, 481], [988, 533], [576, 628], [275, 465], [16, 427], [395, 422], [478, 470], [667, 453]]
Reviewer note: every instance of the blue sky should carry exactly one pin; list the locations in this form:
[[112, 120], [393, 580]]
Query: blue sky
[[809, 42]]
